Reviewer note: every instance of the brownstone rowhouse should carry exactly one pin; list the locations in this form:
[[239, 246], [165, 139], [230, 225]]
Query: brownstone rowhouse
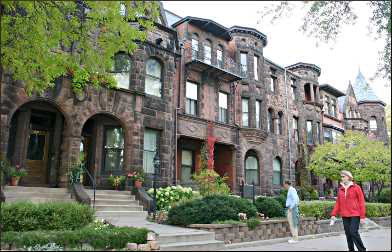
[[46, 133]]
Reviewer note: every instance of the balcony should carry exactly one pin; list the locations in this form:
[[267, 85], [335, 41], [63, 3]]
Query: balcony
[[225, 69]]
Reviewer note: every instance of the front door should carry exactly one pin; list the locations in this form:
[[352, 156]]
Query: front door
[[37, 158]]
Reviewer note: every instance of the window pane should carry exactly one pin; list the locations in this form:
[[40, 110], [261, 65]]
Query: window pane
[[186, 157], [245, 105], [373, 124], [114, 144], [219, 58], [153, 68], [195, 44], [272, 84], [149, 147], [309, 132], [153, 86], [276, 180], [293, 96], [122, 79], [270, 124], [191, 91], [207, 53], [245, 116], [121, 63], [255, 67], [222, 100], [251, 170], [258, 105], [36, 147], [244, 67]]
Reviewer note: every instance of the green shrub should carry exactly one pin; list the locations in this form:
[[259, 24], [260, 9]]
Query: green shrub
[[283, 192], [307, 193], [26, 216], [378, 209], [314, 195], [281, 199], [211, 183], [113, 237], [166, 196], [210, 209], [385, 196], [270, 207], [253, 223]]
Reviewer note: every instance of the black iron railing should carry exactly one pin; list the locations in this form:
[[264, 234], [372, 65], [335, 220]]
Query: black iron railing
[[93, 182]]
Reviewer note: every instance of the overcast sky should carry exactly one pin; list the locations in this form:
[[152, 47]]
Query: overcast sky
[[339, 62]]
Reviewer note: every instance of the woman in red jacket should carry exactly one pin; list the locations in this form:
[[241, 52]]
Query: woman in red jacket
[[350, 205]]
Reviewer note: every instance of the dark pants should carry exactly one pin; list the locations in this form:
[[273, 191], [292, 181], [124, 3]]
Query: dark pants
[[351, 226]]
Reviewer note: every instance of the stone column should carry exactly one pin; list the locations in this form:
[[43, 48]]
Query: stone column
[[22, 134], [312, 98], [70, 154], [317, 93]]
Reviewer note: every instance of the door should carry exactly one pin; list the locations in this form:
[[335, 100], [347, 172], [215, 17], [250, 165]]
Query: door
[[37, 158]]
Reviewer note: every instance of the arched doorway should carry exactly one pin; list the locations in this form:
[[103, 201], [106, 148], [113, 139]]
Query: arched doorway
[[34, 142], [102, 147]]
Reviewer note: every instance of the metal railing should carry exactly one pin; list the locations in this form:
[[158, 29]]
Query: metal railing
[[92, 179], [75, 178], [248, 191], [225, 63]]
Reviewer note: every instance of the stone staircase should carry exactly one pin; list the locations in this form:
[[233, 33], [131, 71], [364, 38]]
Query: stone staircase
[[111, 203], [36, 194], [192, 241]]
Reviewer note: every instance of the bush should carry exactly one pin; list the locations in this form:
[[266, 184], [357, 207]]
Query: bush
[[171, 194], [282, 200], [253, 223], [210, 209], [385, 196], [111, 237], [323, 209], [270, 207], [26, 216], [211, 183], [307, 193]]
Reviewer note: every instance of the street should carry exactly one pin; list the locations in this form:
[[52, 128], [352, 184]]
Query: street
[[374, 240]]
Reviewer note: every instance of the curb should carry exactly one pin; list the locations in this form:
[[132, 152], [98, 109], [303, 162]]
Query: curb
[[284, 240]]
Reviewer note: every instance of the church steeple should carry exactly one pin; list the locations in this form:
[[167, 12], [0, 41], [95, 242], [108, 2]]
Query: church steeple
[[362, 89]]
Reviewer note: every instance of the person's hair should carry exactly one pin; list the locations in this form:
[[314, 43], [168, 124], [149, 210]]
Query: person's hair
[[287, 182]]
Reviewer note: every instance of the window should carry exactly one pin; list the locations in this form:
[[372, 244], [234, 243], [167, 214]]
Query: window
[[257, 114], [219, 57], [191, 98], [327, 135], [207, 52], [273, 84], [195, 46], [295, 127], [280, 123], [187, 166], [308, 96], [309, 132], [318, 133], [333, 107], [245, 112], [256, 67], [121, 68], [315, 93], [222, 107], [329, 110], [277, 172], [244, 65], [293, 90], [153, 77], [270, 124], [151, 138], [373, 123], [251, 170], [114, 149]]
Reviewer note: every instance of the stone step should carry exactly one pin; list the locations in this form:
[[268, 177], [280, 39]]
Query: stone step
[[38, 200], [131, 214], [34, 189], [185, 237], [108, 192], [210, 245], [99, 201], [112, 197], [117, 208], [28, 195]]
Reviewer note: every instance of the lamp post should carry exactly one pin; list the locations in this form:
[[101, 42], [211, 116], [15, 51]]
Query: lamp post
[[157, 164]]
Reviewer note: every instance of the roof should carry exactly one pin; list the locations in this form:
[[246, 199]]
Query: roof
[[363, 91], [248, 30], [305, 65], [171, 17], [208, 25], [330, 89]]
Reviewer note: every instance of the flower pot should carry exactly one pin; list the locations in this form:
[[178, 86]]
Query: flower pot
[[15, 181], [138, 184]]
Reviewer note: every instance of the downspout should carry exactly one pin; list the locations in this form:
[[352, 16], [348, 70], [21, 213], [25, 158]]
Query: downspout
[[288, 121]]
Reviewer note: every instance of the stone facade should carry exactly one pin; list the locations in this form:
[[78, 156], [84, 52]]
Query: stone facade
[[267, 149]]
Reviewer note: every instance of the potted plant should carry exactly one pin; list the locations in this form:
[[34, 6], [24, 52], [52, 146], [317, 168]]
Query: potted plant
[[16, 173], [116, 181], [137, 177]]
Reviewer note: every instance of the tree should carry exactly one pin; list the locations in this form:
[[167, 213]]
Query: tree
[[44, 40], [325, 19], [368, 160], [388, 119]]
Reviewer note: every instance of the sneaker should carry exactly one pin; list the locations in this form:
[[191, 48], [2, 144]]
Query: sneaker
[[292, 241]]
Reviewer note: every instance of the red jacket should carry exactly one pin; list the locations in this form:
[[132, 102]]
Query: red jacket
[[351, 203]]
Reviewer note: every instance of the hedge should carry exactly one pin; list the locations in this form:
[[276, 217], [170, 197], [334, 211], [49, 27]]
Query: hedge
[[210, 209], [270, 207], [116, 237], [323, 209], [385, 196], [27, 216]]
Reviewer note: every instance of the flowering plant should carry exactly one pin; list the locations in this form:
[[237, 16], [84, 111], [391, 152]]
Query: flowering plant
[[116, 181], [17, 171], [242, 216], [167, 196], [136, 175]]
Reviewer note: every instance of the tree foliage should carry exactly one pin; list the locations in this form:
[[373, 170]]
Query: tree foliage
[[325, 19], [44, 40], [368, 160]]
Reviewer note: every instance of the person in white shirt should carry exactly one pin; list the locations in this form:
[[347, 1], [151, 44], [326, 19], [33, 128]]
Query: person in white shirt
[[292, 203]]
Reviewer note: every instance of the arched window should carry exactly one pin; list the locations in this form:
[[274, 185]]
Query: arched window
[[251, 169], [219, 56], [308, 96], [277, 172], [270, 123], [153, 83], [373, 123], [207, 52], [121, 68], [195, 45], [280, 123]]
